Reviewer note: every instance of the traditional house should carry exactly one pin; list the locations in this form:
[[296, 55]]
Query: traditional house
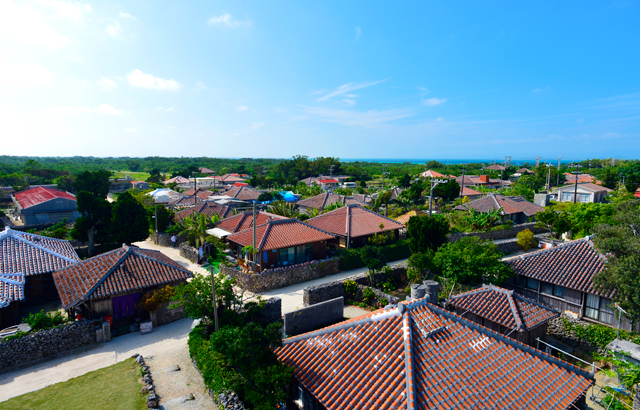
[[229, 179], [562, 277], [522, 171], [111, 284], [242, 193], [432, 174], [496, 167], [483, 181], [472, 194], [395, 193], [327, 183], [582, 178], [178, 180], [281, 242], [404, 218], [244, 221], [353, 225], [418, 356], [41, 205], [515, 209], [27, 262], [323, 200], [207, 209], [505, 312], [204, 170], [185, 202], [200, 193], [587, 193], [163, 196], [139, 185]]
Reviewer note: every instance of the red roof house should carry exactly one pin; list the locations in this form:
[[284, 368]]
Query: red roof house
[[505, 312], [242, 193], [282, 242], [244, 220], [418, 356], [327, 198], [515, 209], [431, 174], [208, 209], [111, 284], [42, 205], [353, 225]]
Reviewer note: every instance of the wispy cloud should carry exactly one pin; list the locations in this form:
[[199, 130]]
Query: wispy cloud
[[358, 33], [104, 109], [107, 109], [66, 8], [540, 90], [139, 79], [256, 125], [432, 102], [166, 109], [347, 88], [200, 86], [24, 75], [350, 102], [353, 118], [114, 29], [25, 24], [228, 21], [106, 83], [127, 16], [241, 108]]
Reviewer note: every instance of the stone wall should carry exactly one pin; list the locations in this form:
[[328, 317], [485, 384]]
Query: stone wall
[[281, 277], [44, 343], [188, 252], [335, 289], [165, 315], [556, 329], [164, 239], [496, 235]]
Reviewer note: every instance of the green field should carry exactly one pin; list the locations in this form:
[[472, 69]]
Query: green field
[[115, 387], [137, 176]]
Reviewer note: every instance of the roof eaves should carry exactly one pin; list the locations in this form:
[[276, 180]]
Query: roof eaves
[[408, 361], [8, 233]]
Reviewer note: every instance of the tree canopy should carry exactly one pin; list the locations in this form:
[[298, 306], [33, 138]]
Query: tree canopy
[[129, 221], [427, 233]]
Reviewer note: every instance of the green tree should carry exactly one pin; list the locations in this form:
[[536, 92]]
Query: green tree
[[96, 182], [195, 227], [64, 182], [404, 180], [610, 179], [95, 223], [471, 261], [447, 191], [526, 239], [556, 222], [427, 233], [197, 297], [283, 208], [129, 221]]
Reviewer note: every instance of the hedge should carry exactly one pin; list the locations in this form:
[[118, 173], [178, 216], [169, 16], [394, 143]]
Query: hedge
[[352, 258]]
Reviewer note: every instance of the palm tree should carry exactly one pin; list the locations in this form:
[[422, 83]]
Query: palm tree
[[195, 227], [283, 208], [333, 206], [313, 212]]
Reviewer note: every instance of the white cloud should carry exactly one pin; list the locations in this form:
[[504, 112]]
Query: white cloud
[[24, 75], [139, 79], [362, 119], [169, 109], [350, 102], [27, 25], [347, 88], [241, 108], [127, 16], [66, 8], [540, 90], [130, 129], [114, 29], [107, 109], [358, 33], [256, 125], [104, 109], [228, 21], [200, 86], [106, 83], [432, 102]]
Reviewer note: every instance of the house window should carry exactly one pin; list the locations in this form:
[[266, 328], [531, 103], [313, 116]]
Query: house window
[[558, 291], [584, 197], [521, 281], [287, 256], [599, 309], [546, 288], [532, 283], [566, 196]]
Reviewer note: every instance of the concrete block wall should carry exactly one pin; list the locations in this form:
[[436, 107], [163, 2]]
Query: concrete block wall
[[314, 317]]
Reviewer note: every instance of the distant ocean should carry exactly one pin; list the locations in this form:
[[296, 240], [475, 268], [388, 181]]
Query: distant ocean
[[453, 161]]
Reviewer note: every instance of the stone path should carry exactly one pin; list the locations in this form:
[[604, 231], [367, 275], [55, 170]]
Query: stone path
[[163, 340]]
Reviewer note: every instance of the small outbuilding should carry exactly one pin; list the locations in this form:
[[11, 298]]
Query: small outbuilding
[[505, 312], [42, 205]]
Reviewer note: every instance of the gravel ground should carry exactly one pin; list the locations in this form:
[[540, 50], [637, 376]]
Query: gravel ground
[[177, 387]]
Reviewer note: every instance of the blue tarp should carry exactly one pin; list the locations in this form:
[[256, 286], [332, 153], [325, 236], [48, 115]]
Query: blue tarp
[[288, 196]]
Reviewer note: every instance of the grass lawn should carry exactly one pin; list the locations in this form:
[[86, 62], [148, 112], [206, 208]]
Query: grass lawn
[[137, 176], [114, 387]]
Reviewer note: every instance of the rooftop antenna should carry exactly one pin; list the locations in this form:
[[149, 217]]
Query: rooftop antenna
[[538, 161]]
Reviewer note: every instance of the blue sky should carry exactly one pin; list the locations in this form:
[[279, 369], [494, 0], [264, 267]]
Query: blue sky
[[357, 79]]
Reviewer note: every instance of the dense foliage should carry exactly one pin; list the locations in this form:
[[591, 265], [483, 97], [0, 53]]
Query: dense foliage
[[358, 257], [45, 320], [427, 233]]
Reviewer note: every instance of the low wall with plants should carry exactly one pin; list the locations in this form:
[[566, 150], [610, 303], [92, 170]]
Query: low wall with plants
[[164, 239], [281, 277], [499, 233], [27, 348], [352, 258], [586, 336], [335, 289]]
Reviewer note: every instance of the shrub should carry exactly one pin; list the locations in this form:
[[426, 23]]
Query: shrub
[[526, 239], [150, 301], [368, 296], [598, 335], [45, 320], [350, 259], [350, 287]]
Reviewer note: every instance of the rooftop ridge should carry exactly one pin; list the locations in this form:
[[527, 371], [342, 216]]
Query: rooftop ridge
[[100, 281], [546, 250], [137, 252], [9, 233]]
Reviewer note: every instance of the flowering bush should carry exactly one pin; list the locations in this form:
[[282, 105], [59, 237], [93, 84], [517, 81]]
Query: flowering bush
[[350, 287]]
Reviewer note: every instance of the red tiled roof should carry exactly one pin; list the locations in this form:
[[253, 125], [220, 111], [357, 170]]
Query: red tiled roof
[[504, 307], [239, 184], [475, 180], [208, 209], [510, 205], [178, 180], [204, 170], [431, 174], [11, 288], [31, 254], [278, 234], [327, 198], [418, 356], [186, 201], [572, 265], [571, 178], [496, 167], [525, 170], [242, 193], [38, 195], [353, 221], [403, 219], [122, 270], [201, 193], [231, 178], [243, 221], [470, 192], [589, 186], [327, 181]]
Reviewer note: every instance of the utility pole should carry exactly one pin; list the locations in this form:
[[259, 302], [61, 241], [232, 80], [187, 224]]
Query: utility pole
[[253, 257], [462, 184], [383, 168], [575, 190], [549, 178], [213, 288], [155, 216], [559, 163], [538, 161], [434, 183], [195, 187]]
